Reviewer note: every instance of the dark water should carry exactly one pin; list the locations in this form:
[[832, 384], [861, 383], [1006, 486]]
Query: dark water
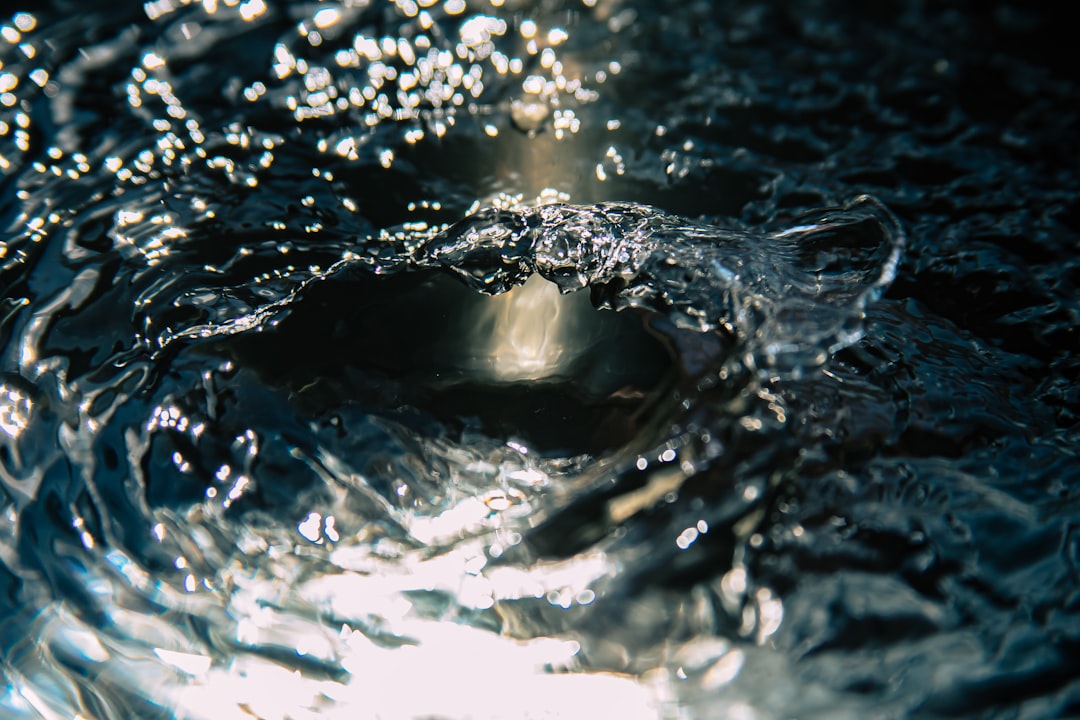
[[555, 359]]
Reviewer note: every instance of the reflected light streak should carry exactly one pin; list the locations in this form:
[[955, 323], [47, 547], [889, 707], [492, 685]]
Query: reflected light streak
[[497, 679], [467, 672], [530, 335], [190, 663], [377, 587], [536, 332]]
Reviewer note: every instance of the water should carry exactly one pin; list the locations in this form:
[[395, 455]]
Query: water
[[558, 359]]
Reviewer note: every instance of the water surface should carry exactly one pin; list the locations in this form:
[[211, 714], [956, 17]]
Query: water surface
[[510, 359]]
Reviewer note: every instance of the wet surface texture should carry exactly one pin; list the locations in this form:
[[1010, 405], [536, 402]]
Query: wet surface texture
[[560, 359]]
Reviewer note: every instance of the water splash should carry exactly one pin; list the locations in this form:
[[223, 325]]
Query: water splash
[[410, 521], [302, 406], [790, 296]]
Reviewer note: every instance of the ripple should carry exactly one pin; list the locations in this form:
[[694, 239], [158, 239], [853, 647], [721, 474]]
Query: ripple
[[571, 357]]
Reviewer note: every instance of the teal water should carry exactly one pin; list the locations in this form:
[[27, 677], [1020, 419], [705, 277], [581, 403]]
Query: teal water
[[537, 359]]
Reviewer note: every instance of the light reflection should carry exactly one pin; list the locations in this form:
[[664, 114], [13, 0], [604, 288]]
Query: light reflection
[[534, 336], [688, 537], [309, 527], [15, 410], [326, 17], [503, 677], [252, 9], [190, 663], [533, 332], [724, 670], [409, 75], [24, 21], [167, 417]]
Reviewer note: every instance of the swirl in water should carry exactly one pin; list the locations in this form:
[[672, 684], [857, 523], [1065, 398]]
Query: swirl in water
[[383, 413], [306, 411]]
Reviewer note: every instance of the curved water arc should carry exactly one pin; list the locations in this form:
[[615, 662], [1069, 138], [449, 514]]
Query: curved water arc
[[792, 295]]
